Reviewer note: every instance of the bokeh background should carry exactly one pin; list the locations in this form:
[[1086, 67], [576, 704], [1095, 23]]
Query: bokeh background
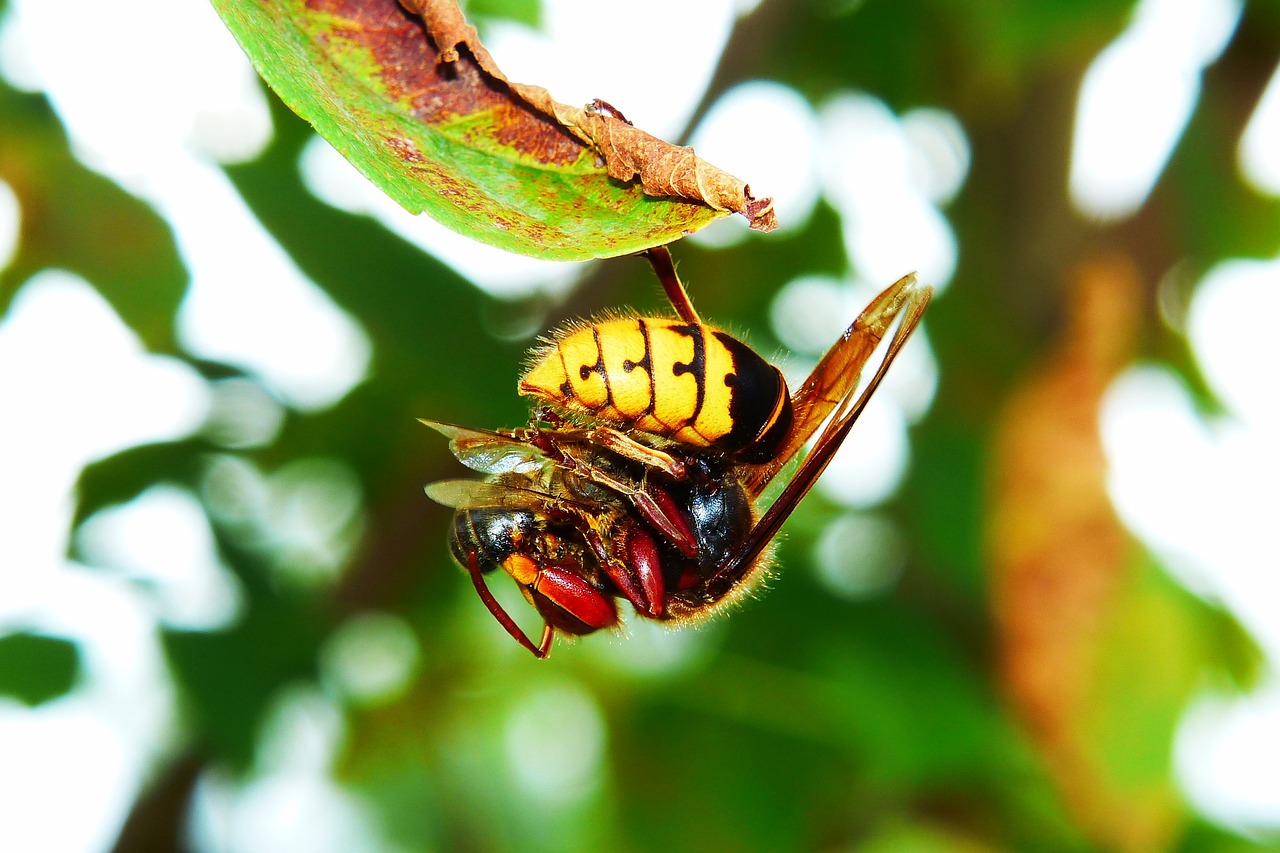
[[1033, 605]]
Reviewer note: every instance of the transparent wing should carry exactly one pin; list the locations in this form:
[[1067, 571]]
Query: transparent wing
[[489, 452], [466, 494]]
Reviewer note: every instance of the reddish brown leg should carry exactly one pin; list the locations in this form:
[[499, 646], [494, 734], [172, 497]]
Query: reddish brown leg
[[548, 633], [642, 587], [544, 648], [571, 593], [665, 268], [643, 560]]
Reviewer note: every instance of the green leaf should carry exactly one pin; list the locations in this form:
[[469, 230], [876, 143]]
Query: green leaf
[[35, 668], [446, 140]]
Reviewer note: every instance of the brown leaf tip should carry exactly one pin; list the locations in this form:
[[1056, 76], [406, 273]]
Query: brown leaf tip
[[759, 212], [628, 152]]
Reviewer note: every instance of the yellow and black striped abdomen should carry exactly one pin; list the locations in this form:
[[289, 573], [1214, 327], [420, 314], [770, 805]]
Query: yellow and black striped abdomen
[[679, 380]]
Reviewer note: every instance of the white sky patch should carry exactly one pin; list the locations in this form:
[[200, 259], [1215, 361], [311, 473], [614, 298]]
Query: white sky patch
[[767, 134], [1136, 99], [290, 810], [869, 466], [64, 783], [10, 224], [235, 494], [1260, 144], [865, 157], [73, 766], [1200, 492], [872, 174], [77, 385], [1162, 469], [162, 542], [904, 235], [16, 64], [1232, 330], [333, 180], [302, 730], [156, 135], [124, 681], [101, 77], [1201, 496], [1226, 756], [587, 49], [248, 304]]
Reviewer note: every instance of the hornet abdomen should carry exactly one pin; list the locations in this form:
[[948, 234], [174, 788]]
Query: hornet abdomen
[[683, 381]]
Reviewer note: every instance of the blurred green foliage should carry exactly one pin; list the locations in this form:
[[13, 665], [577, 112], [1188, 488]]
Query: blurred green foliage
[[804, 720], [35, 668]]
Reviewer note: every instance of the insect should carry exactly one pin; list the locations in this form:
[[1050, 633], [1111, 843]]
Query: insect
[[639, 473]]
